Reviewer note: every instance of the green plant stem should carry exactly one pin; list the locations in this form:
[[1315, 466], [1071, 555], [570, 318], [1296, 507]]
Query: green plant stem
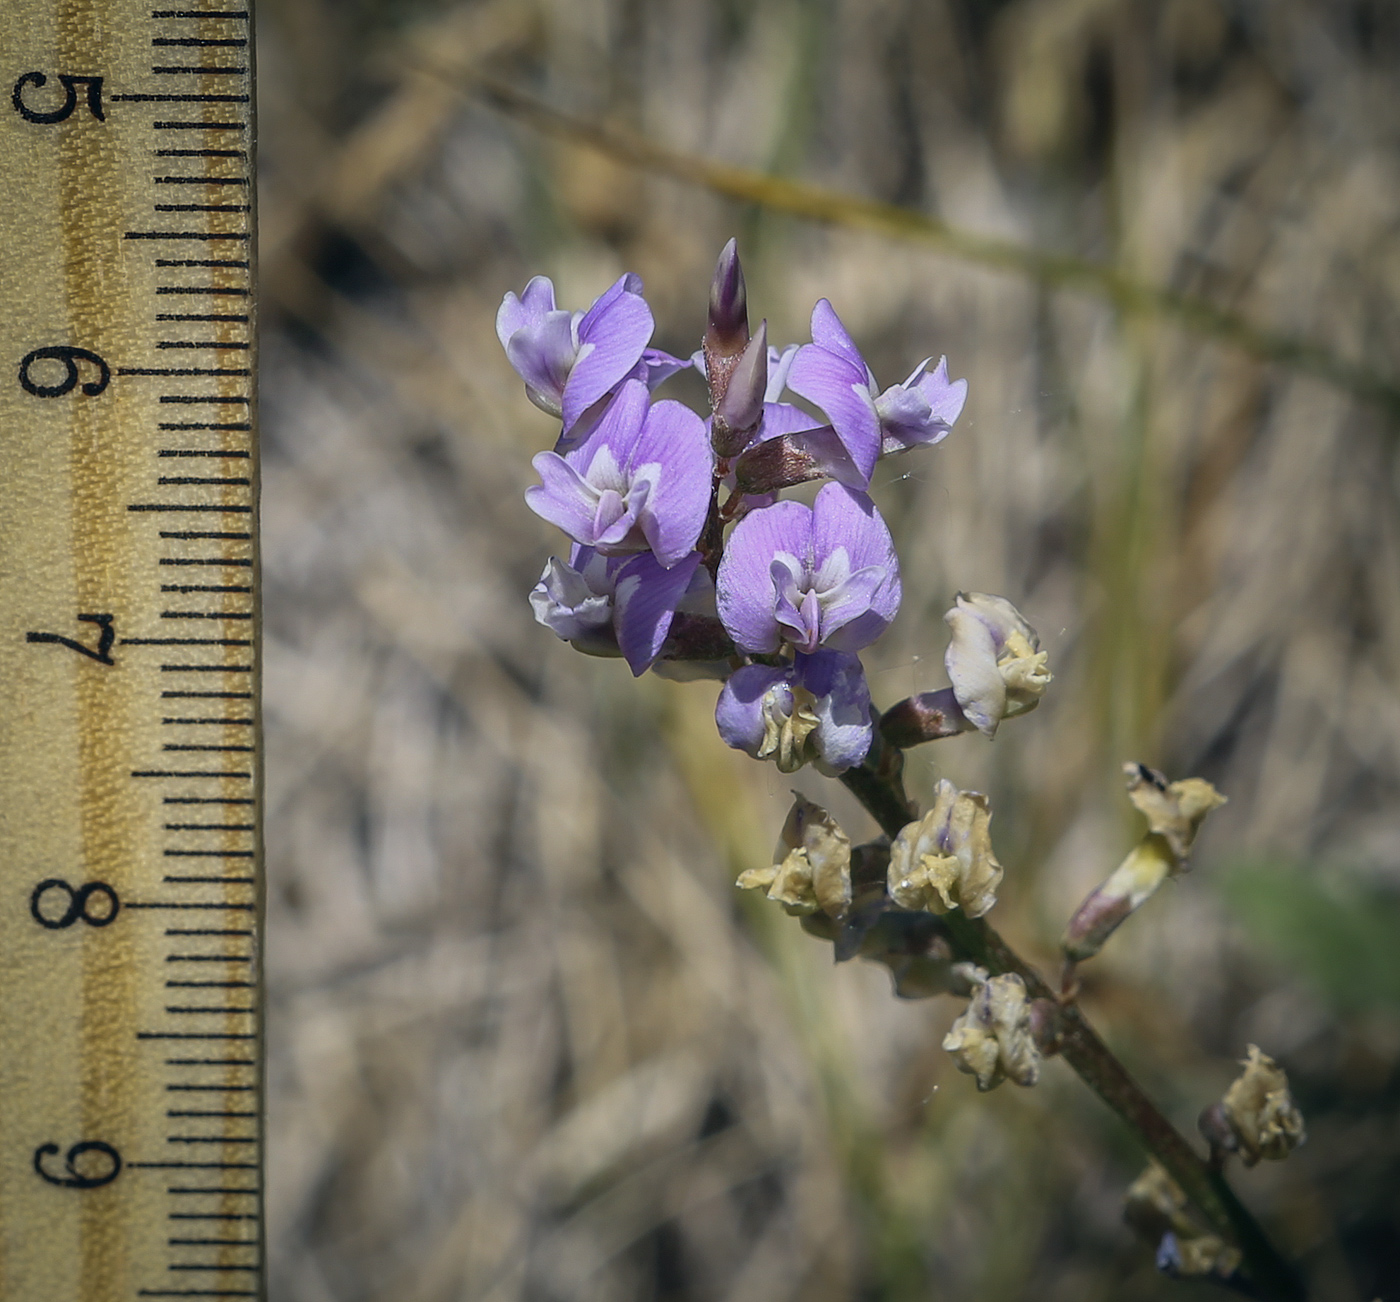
[[876, 784]]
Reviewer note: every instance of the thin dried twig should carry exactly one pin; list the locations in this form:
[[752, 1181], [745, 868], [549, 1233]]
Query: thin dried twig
[[1132, 297]]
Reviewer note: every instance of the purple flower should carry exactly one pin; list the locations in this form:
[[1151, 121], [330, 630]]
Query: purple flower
[[816, 709], [640, 480], [824, 576], [610, 604], [831, 373], [570, 360]]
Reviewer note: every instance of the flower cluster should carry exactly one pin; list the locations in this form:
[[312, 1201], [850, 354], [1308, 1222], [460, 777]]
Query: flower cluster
[[683, 549], [687, 559]]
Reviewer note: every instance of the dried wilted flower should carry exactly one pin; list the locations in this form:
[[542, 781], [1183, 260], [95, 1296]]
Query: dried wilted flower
[[1174, 813], [1155, 1206], [811, 866], [1261, 1111], [945, 860], [994, 660], [992, 1039]]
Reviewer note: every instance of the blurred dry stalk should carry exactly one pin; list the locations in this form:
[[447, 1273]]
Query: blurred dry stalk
[[526, 1042]]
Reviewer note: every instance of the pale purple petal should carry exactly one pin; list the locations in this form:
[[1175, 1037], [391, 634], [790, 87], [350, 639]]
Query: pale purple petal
[[615, 518], [797, 610], [779, 364], [828, 333], [565, 601], [945, 398], [744, 585], [542, 354], [971, 662], [905, 420], [843, 518], [673, 456], [848, 521], [646, 597], [739, 711], [781, 418], [852, 612], [839, 388], [611, 336], [563, 497], [921, 411], [527, 310], [845, 730], [656, 367], [617, 430]]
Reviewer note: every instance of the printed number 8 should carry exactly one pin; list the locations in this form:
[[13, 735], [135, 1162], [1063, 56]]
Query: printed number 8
[[78, 903]]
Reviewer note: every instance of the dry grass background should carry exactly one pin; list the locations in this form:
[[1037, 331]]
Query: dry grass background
[[526, 1042]]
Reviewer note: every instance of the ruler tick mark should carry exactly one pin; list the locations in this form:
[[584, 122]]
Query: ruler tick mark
[[206, 290], [203, 958], [143, 98], [200, 180], [212, 985], [205, 587], [186, 235]]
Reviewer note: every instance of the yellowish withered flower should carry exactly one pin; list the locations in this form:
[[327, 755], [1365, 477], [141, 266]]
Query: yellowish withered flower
[[945, 860], [1156, 1207], [994, 660], [811, 866], [1261, 1111], [992, 1039], [1174, 810], [785, 733]]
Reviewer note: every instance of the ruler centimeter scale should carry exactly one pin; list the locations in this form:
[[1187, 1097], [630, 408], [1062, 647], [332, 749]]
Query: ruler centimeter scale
[[130, 771]]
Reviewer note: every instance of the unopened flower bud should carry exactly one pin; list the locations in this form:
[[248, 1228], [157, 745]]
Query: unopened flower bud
[[739, 410], [727, 333], [729, 304], [811, 866], [1261, 1111], [994, 660], [1215, 1126], [992, 1039], [1174, 812], [945, 860], [1131, 884]]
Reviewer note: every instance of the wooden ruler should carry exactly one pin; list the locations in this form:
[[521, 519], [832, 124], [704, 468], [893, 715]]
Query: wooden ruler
[[130, 770]]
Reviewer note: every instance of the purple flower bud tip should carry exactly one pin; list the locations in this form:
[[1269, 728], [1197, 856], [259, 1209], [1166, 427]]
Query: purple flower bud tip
[[729, 309], [741, 407]]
